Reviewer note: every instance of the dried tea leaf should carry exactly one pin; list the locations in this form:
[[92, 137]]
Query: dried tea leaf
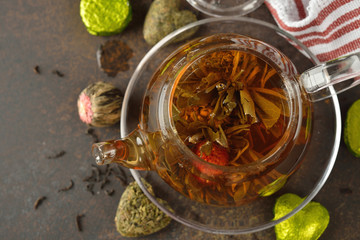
[[267, 110], [137, 215]]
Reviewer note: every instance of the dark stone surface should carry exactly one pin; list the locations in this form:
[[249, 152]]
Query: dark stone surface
[[38, 118]]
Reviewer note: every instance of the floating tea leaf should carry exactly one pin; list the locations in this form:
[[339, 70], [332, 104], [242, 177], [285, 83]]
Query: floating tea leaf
[[248, 105], [137, 215], [267, 110], [273, 187]]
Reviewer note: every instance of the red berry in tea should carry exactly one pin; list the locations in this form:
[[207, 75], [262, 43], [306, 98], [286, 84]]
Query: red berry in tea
[[217, 155]]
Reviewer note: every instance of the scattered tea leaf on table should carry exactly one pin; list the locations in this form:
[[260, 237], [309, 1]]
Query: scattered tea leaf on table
[[308, 224]]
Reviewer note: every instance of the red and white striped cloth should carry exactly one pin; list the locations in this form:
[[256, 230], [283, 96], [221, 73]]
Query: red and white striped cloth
[[329, 28]]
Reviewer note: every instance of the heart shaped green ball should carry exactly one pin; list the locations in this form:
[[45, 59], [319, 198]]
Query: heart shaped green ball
[[308, 224]]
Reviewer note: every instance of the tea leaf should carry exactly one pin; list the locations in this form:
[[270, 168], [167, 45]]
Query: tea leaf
[[229, 104], [269, 92], [253, 74], [237, 76], [247, 104], [252, 155], [175, 113], [211, 80], [222, 140], [263, 76], [267, 110], [235, 63], [217, 112], [241, 191], [218, 136], [240, 143], [237, 129], [268, 75], [273, 187], [248, 69], [275, 96], [206, 148], [194, 139]]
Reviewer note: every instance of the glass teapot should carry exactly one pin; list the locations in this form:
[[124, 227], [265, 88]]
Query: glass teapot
[[255, 78]]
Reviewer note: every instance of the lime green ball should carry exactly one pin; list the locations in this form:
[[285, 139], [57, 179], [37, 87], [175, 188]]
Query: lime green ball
[[352, 129], [105, 17]]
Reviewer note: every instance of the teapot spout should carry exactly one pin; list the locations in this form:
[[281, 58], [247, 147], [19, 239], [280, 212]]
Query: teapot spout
[[131, 152]]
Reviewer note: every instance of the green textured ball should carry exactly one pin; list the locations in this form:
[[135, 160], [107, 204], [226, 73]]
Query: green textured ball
[[308, 224], [105, 17], [165, 17], [136, 215]]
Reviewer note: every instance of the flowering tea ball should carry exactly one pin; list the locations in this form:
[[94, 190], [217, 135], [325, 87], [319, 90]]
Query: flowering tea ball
[[99, 104]]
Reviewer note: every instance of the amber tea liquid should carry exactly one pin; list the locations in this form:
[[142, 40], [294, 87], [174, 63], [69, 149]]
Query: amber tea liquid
[[235, 99]]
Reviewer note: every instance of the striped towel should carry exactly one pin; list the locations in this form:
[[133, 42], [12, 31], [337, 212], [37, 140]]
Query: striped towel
[[329, 28]]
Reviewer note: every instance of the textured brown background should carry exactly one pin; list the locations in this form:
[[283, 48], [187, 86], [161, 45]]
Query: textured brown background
[[38, 118]]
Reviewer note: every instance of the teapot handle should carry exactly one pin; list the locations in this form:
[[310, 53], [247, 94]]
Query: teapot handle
[[342, 73]]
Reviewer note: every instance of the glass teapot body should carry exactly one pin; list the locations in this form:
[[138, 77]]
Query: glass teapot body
[[261, 117]]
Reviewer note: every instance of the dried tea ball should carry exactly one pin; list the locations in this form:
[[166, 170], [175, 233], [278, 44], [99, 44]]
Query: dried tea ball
[[105, 17], [136, 215], [165, 17], [99, 104]]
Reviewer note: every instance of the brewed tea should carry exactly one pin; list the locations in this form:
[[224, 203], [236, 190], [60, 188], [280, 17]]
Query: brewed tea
[[232, 98], [235, 99]]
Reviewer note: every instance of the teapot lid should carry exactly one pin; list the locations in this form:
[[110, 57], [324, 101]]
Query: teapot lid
[[218, 8]]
